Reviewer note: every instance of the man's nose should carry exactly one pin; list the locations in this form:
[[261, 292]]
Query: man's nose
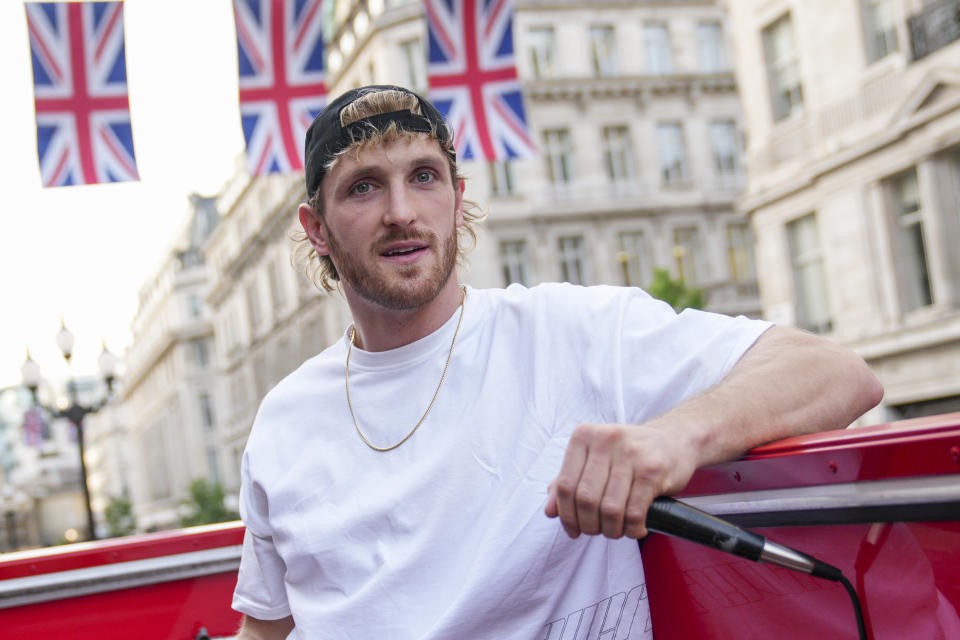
[[401, 211]]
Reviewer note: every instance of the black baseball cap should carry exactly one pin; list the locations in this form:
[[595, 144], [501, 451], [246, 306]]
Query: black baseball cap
[[326, 138]]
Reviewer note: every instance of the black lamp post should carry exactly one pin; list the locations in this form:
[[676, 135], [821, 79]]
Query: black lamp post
[[76, 411]]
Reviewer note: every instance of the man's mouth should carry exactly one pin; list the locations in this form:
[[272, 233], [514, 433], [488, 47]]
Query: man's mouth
[[404, 249]]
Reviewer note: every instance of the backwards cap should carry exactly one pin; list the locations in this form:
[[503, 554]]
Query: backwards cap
[[326, 137]]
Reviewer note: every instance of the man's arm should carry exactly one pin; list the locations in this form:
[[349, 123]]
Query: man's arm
[[788, 383], [253, 629]]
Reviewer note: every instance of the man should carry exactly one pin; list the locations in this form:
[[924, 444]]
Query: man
[[416, 479]]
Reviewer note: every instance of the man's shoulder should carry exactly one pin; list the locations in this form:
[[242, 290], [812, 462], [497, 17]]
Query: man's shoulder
[[560, 310], [309, 379], [559, 292], [566, 302]]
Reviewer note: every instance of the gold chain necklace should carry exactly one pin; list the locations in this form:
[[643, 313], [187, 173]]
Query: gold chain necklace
[[346, 376]]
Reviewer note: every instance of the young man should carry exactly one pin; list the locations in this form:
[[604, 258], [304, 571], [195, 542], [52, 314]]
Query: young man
[[429, 476]]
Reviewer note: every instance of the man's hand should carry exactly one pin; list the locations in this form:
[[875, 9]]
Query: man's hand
[[788, 383], [610, 475]]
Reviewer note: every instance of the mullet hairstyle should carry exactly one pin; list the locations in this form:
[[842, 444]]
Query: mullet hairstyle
[[320, 269]]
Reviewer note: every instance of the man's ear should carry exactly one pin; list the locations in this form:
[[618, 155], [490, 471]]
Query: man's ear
[[314, 228], [458, 210]]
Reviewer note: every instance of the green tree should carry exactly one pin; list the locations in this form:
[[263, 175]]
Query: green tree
[[206, 504], [119, 515], [675, 292]]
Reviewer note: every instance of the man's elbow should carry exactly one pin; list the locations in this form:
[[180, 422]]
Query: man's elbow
[[864, 387], [873, 391]]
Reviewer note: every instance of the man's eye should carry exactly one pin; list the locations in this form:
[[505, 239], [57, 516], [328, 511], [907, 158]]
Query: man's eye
[[424, 176], [361, 188]]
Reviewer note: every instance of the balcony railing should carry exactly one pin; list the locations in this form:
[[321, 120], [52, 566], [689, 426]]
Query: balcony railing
[[934, 28]]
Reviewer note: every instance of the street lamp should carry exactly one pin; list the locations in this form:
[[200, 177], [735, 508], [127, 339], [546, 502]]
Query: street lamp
[[76, 411]]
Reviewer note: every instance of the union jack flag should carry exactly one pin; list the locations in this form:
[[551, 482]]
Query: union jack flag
[[473, 77], [36, 430], [280, 53], [80, 92]]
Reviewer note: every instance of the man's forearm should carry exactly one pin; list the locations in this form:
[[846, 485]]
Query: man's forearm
[[254, 629], [788, 383]]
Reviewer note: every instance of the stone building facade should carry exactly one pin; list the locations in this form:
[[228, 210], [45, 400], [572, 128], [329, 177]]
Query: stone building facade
[[634, 111], [169, 391], [638, 167], [852, 114]]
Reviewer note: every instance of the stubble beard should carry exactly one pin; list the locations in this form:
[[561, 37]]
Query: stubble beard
[[401, 287]]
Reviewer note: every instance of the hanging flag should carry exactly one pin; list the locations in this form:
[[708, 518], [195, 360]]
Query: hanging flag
[[80, 93], [280, 55], [473, 77], [36, 430]]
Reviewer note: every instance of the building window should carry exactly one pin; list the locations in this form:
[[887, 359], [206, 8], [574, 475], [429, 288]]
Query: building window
[[558, 153], [415, 59], [571, 259], [194, 306], [542, 48], [154, 452], [740, 252], [686, 253], [656, 46], [253, 305], [201, 352], [501, 178], [711, 47], [813, 306], [238, 391], [513, 262], [725, 147], [912, 255], [618, 154], [278, 293], [214, 466], [206, 410], [879, 28], [633, 259], [603, 51], [783, 68], [673, 153]]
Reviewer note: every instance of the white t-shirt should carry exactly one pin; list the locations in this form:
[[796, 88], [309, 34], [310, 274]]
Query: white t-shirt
[[445, 538]]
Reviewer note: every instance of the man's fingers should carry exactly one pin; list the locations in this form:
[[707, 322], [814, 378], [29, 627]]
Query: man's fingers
[[566, 485], [614, 501], [590, 490], [551, 508], [635, 515]]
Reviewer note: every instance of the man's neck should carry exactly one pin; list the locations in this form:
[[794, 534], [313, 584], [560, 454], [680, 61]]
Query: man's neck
[[380, 329]]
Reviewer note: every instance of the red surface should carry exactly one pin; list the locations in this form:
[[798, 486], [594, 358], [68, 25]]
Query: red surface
[[164, 611], [907, 574], [101, 552], [920, 447]]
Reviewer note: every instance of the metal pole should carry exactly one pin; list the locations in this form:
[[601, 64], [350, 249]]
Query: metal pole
[[76, 413], [91, 528]]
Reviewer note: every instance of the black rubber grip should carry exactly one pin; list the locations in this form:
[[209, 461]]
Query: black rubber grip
[[668, 516]]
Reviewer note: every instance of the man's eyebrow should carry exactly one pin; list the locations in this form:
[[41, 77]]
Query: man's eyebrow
[[431, 159]]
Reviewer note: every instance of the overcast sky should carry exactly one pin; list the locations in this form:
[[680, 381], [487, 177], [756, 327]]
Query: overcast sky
[[83, 252]]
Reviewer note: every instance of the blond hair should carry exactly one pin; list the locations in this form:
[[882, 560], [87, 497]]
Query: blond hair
[[320, 269]]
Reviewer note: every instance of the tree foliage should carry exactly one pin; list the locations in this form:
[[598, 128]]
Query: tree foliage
[[675, 292], [119, 516], [205, 504]]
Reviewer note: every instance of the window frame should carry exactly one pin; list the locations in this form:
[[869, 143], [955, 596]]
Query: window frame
[[788, 101]]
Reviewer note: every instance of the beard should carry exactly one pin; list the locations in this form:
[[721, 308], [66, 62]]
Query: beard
[[401, 287]]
